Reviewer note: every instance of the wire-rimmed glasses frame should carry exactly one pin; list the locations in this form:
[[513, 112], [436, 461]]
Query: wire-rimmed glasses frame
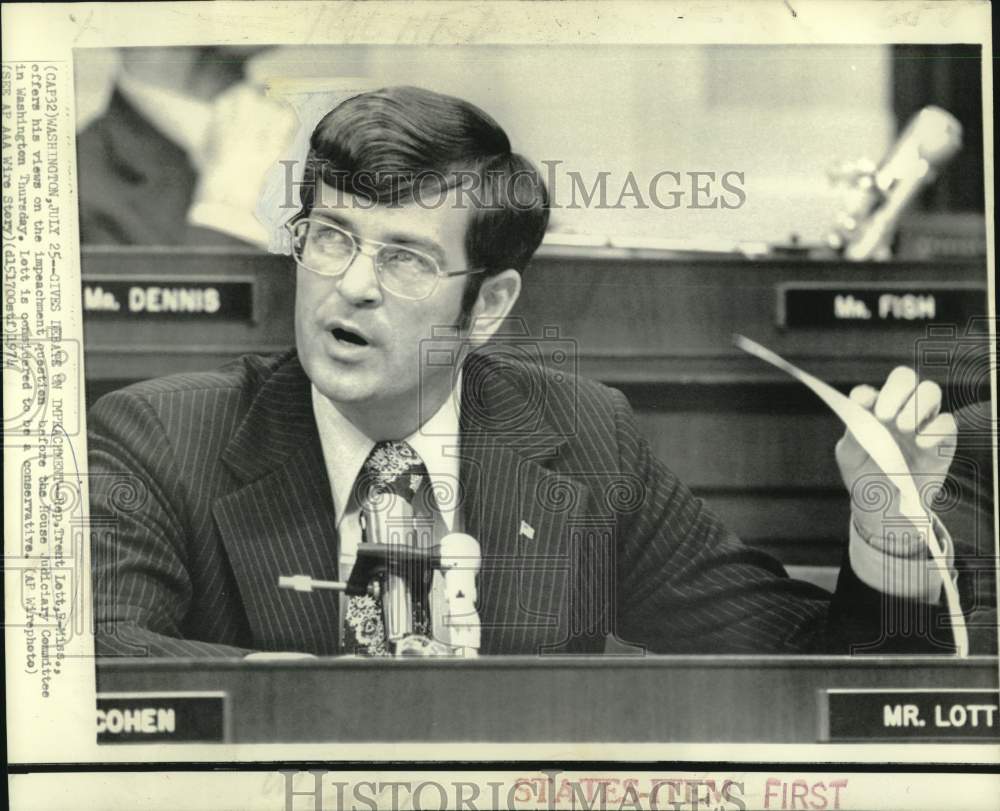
[[403, 271]]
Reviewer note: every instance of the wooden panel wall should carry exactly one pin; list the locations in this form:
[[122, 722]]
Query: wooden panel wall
[[757, 447]]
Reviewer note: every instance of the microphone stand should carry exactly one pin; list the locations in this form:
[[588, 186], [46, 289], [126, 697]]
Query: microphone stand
[[395, 572]]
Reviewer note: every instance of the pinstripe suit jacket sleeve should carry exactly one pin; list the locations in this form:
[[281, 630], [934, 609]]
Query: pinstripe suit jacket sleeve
[[143, 555], [205, 489], [721, 595], [682, 582]]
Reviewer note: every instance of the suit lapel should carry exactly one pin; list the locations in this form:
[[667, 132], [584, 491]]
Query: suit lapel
[[520, 511], [281, 520]]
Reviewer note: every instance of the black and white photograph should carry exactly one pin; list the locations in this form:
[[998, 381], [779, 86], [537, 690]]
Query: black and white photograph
[[452, 391]]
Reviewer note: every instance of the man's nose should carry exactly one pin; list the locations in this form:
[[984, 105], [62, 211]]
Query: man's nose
[[359, 283]]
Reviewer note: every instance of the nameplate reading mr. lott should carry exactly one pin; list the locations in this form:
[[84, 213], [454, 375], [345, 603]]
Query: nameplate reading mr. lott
[[865, 306], [915, 714]]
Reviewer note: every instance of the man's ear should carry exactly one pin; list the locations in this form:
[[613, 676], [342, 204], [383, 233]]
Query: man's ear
[[497, 296]]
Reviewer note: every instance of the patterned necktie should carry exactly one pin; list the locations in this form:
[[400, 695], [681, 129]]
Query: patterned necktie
[[393, 474]]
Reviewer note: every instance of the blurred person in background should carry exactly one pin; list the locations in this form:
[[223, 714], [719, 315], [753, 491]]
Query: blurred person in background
[[180, 153]]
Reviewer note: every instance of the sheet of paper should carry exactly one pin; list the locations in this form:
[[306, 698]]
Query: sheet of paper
[[878, 442]]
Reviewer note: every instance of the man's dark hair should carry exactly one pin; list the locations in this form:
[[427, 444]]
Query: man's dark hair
[[400, 144]]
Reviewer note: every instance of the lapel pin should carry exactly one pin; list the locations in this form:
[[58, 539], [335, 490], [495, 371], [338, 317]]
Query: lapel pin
[[527, 530]]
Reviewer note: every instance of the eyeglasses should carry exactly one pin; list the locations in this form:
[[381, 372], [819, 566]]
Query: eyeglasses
[[329, 250]]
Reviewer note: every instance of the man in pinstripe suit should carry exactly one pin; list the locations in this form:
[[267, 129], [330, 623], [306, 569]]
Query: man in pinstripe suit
[[205, 488]]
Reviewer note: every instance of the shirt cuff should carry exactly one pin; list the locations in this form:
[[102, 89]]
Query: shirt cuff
[[230, 220], [913, 578]]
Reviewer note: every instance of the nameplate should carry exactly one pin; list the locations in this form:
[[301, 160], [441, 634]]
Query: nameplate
[[166, 298], [861, 306], [895, 715], [161, 717]]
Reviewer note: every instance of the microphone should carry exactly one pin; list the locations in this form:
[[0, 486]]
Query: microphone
[[460, 564]]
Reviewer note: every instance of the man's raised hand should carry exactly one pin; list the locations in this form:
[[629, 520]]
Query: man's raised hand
[[910, 410]]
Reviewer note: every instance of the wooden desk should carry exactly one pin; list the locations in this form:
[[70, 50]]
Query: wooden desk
[[647, 699]]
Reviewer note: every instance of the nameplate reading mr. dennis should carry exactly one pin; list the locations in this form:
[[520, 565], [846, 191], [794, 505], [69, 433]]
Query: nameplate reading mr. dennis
[[167, 298]]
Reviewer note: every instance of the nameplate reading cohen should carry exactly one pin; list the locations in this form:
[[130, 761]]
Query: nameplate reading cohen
[[162, 717], [168, 299], [866, 306], [895, 715]]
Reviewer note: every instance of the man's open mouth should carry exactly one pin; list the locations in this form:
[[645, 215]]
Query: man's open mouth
[[345, 336]]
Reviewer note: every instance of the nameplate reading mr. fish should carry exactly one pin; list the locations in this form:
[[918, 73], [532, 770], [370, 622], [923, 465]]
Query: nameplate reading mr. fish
[[862, 306], [896, 715], [168, 299], [161, 717]]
